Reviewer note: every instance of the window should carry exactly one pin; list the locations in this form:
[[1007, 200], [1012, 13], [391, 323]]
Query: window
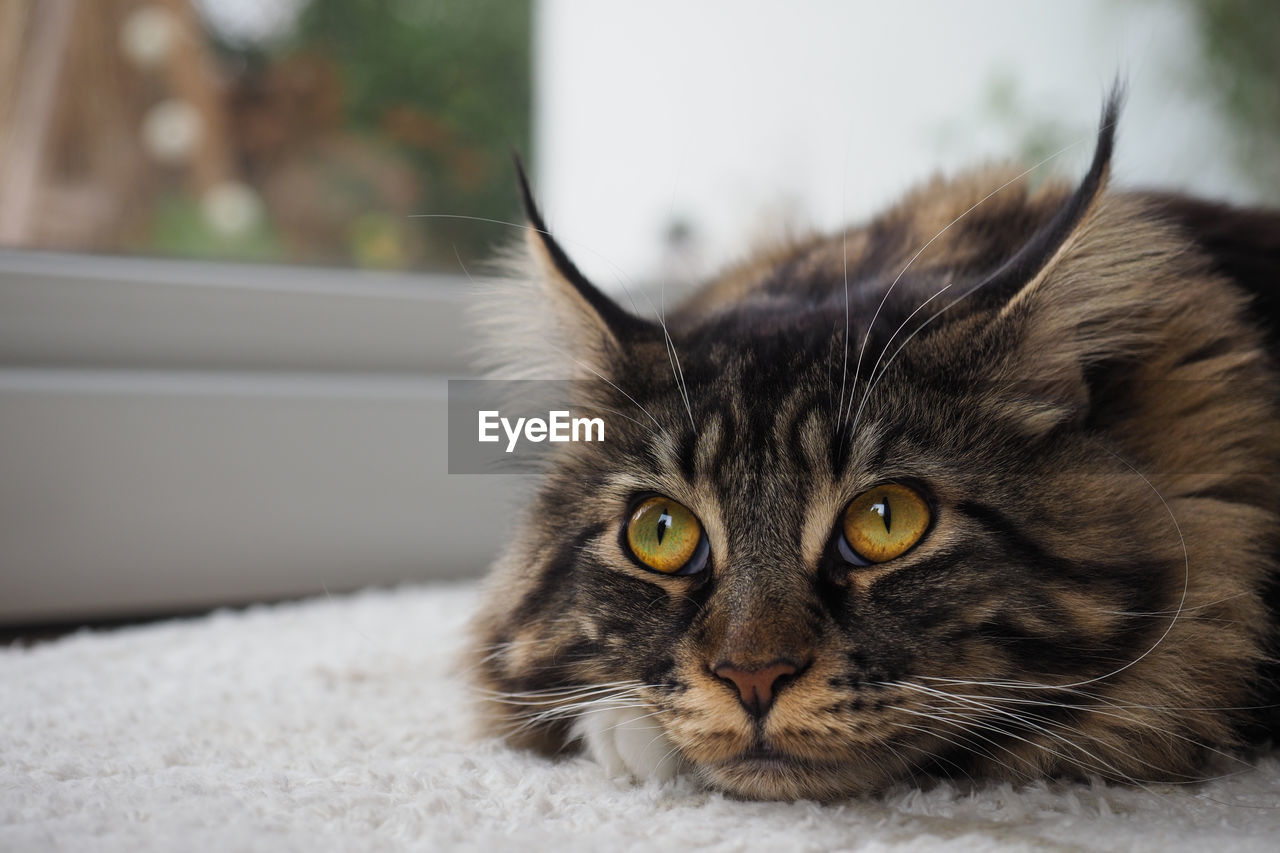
[[224, 332], [300, 131]]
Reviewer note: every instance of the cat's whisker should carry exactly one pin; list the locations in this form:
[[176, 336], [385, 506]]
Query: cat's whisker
[[884, 299], [1186, 578], [574, 710], [550, 700], [676, 751], [674, 357], [557, 693], [560, 692], [844, 370], [547, 706], [1096, 699], [1063, 733], [678, 374], [638, 423], [571, 716], [844, 263], [1089, 761], [1025, 721], [975, 741], [1188, 609], [578, 709], [932, 757], [876, 378], [1001, 685], [1033, 720], [600, 376], [1005, 685], [965, 742], [661, 733], [970, 726], [1132, 719], [631, 720], [560, 706], [537, 715], [873, 381], [493, 651], [1202, 620]]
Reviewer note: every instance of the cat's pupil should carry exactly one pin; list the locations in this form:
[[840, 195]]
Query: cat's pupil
[[664, 522], [886, 514]]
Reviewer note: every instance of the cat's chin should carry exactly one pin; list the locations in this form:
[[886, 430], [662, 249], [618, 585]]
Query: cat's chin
[[777, 777], [628, 742]]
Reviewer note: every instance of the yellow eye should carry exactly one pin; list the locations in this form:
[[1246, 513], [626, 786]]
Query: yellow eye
[[667, 538], [884, 523]]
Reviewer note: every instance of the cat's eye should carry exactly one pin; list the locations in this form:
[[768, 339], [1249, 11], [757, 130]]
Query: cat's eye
[[883, 523], [665, 536]]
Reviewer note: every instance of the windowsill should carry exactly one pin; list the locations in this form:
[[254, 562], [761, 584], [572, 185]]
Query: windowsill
[[176, 435], [90, 311]]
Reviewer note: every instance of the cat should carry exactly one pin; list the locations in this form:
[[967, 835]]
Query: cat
[[983, 488]]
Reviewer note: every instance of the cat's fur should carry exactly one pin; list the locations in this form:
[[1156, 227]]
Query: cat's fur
[[1081, 382]]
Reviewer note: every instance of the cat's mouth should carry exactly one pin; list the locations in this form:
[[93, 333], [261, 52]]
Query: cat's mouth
[[763, 756], [767, 758], [768, 773]]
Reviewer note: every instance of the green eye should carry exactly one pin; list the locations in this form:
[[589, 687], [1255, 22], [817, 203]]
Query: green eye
[[883, 523], [666, 537]]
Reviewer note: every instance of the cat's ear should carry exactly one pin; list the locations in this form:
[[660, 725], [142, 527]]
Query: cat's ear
[[544, 319], [1028, 268], [1082, 292]]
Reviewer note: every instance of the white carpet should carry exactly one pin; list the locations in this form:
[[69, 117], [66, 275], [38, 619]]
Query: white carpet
[[335, 725]]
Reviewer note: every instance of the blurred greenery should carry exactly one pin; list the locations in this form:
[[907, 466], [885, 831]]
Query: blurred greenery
[[449, 83], [1037, 129], [363, 115], [1240, 43], [1039, 133], [180, 227]]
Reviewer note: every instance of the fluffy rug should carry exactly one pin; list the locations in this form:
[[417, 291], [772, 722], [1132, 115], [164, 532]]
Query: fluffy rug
[[337, 725]]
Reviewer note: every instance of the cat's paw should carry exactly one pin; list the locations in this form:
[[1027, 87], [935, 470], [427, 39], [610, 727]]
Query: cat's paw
[[628, 741]]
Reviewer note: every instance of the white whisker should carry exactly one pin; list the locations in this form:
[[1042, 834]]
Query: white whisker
[[862, 348]]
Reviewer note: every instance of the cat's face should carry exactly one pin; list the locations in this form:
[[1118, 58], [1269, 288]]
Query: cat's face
[[824, 553]]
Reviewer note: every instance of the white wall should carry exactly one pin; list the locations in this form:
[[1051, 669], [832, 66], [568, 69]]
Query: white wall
[[740, 115]]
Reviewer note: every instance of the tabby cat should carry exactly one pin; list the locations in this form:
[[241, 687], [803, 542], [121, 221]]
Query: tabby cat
[[986, 487]]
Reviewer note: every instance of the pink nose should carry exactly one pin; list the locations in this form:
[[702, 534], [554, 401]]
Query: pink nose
[[756, 687]]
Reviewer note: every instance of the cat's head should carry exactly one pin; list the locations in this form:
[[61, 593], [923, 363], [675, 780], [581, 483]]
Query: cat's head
[[880, 503]]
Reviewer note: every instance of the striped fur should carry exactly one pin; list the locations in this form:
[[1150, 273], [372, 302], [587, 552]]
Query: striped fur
[[1088, 400]]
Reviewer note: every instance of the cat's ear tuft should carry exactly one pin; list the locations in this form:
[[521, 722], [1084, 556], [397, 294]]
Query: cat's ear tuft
[[542, 318], [1083, 292], [1028, 267]]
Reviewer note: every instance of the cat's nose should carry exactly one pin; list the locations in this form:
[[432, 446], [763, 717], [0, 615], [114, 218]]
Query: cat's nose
[[758, 686]]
